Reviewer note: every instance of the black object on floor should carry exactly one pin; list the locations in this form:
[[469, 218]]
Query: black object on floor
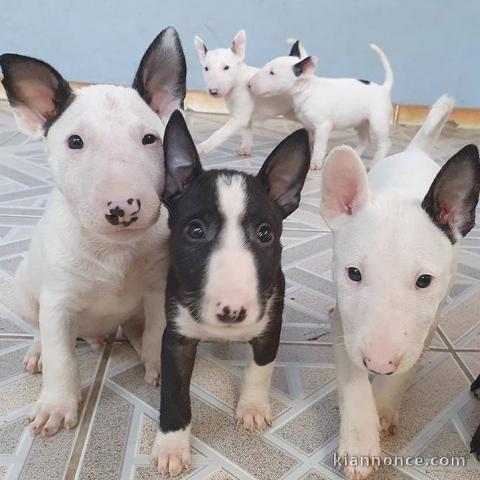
[[475, 443]]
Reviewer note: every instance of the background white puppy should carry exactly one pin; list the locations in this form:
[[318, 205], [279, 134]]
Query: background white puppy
[[98, 257], [324, 104], [394, 261], [227, 75]]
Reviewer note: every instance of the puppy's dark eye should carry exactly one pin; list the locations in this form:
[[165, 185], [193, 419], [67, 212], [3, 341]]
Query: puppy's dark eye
[[271, 72], [149, 139], [226, 67], [354, 274], [75, 142], [423, 281], [264, 233], [196, 230], [206, 69]]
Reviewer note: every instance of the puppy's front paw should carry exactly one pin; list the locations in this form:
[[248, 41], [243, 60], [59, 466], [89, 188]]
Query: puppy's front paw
[[32, 362], [316, 165], [202, 148], [254, 417], [245, 151], [171, 452], [48, 416], [152, 373], [389, 420], [359, 453]]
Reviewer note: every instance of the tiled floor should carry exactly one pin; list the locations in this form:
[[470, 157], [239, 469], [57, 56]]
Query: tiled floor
[[120, 412]]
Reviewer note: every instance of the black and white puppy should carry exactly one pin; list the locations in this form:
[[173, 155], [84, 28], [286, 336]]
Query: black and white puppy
[[225, 281], [475, 444]]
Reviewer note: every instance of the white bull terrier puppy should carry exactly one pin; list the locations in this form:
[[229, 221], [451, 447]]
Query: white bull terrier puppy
[[227, 75], [324, 104], [394, 241], [98, 257]]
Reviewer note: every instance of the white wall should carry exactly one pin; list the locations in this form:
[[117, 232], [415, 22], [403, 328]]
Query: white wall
[[433, 45]]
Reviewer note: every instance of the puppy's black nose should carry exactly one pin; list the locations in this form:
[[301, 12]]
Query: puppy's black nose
[[213, 91], [249, 85], [232, 316]]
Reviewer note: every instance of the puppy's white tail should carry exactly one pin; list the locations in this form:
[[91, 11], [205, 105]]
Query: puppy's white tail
[[430, 130], [301, 49], [388, 83]]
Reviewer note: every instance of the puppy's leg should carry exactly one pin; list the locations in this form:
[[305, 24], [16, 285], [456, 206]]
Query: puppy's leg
[[171, 449], [234, 125], [253, 409], [247, 141], [475, 388], [380, 125], [388, 393], [60, 395], [322, 132], [154, 307], [475, 444], [32, 362], [359, 445], [363, 132], [27, 308]]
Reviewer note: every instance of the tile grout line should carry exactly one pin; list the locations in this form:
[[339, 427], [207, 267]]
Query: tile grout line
[[454, 353], [81, 438]]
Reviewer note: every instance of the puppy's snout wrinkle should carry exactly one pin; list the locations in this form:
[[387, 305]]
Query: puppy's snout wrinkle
[[123, 212]]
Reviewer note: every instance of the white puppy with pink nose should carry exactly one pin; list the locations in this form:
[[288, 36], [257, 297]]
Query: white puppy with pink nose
[[326, 104], [394, 239], [99, 257], [227, 75]]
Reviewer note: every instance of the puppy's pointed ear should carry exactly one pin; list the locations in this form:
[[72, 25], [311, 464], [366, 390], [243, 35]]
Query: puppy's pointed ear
[[239, 44], [182, 164], [161, 76], [344, 186], [284, 171], [37, 93], [200, 47], [306, 66], [453, 196], [295, 50]]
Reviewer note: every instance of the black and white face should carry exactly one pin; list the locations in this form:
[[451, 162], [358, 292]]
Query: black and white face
[[226, 227]]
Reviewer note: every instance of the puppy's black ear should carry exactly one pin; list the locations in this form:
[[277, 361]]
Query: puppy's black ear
[[305, 67], [161, 76], [37, 93], [182, 164], [284, 171], [295, 50], [453, 195]]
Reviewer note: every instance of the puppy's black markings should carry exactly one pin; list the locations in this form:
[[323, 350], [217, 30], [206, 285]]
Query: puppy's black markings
[[197, 226], [366, 82], [295, 50]]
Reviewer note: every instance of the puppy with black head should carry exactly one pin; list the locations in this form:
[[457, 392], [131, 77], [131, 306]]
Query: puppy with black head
[[225, 281]]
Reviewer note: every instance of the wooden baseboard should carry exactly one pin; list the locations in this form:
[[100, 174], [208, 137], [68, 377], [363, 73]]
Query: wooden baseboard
[[201, 102]]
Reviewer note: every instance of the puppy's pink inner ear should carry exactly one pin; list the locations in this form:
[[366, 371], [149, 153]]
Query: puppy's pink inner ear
[[39, 98], [345, 192], [164, 103]]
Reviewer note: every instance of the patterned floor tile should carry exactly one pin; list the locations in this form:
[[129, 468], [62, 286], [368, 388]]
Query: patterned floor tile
[[438, 414]]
